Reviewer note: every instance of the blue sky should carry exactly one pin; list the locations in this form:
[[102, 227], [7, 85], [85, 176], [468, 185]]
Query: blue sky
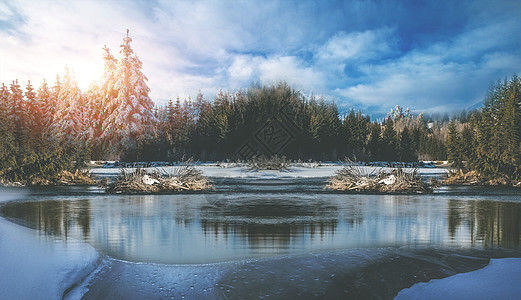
[[371, 55]]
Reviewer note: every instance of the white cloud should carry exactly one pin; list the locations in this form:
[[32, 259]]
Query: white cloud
[[184, 45], [246, 69], [452, 74], [360, 46], [5, 12], [187, 46], [418, 84], [291, 70]]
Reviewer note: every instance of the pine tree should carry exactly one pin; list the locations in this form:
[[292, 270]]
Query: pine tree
[[18, 113], [454, 147], [33, 114], [389, 149], [510, 127], [8, 147], [374, 145], [46, 100], [69, 119], [487, 150], [130, 113], [407, 153], [468, 144], [94, 115]]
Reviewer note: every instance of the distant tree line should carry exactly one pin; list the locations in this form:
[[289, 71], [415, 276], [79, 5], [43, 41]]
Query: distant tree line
[[489, 141], [217, 130], [57, 127]]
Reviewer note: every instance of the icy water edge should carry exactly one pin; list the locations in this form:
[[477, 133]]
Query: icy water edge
[[276, 239]]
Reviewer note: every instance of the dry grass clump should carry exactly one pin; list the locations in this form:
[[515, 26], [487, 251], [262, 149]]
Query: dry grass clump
[[79, 177], [352, 178], [398, 181], [474, 178], [272, 163], [183, 178], [464, 178]]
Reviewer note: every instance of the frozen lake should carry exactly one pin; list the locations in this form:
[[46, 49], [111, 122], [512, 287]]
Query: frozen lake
[[280, 237]]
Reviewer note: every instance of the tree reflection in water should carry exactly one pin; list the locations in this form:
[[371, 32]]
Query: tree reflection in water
[[269, 221], [490, 223], [52, 217], [239, 225]]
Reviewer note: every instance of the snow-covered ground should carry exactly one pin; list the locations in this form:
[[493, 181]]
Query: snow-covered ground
[[327, 170], [501, 279], [36, 266]]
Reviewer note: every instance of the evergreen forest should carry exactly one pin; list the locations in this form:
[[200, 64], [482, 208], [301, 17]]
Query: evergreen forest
[[57, 126]]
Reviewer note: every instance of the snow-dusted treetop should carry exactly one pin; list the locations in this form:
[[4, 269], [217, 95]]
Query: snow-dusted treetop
[[128, 108]]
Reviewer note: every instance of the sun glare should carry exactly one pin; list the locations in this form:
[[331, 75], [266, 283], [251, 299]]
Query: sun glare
[[86, 72]]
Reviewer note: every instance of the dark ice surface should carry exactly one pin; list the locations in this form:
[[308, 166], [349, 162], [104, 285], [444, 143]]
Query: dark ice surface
[[349, 274]]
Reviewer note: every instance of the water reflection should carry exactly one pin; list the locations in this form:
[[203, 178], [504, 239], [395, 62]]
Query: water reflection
[[490, 223], [221, 227], [269, 221], [53, 217]]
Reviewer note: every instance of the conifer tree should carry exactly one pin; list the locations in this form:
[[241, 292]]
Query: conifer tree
[[510, 127], [468, 145], [17, 109], [374, 145], [94, 115], [389, 142], [407, 153], [46, 100], [454, 147], [33, 114], [7, 137], [69, 119], [130, 113]]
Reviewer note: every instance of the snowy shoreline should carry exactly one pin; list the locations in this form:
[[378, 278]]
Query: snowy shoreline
[[325, 170], [78, 270], [34, 265]]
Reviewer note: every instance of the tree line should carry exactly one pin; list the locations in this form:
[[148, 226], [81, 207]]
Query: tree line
[[57, 127], [217, 130], [489, 141]]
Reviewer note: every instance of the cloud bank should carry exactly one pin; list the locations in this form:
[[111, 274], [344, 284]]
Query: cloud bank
[[426, 55]]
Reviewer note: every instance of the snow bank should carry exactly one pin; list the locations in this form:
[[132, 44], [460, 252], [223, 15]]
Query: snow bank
[[501, 279], [328, 170], [35, 266]]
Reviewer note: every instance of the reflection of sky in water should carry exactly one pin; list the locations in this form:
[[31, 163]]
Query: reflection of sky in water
[[220, 227]]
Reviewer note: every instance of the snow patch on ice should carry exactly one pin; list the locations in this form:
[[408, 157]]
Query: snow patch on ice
[[500, 279], [213, 170], [35, 266]]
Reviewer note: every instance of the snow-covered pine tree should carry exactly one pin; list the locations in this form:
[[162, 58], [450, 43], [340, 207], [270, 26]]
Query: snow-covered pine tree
[[94, 116], [18, 112], [170, 109], [4, 104], [46, 99], [7, 138], [33, 113], [129, 115], [68, 124], [108, 91]]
